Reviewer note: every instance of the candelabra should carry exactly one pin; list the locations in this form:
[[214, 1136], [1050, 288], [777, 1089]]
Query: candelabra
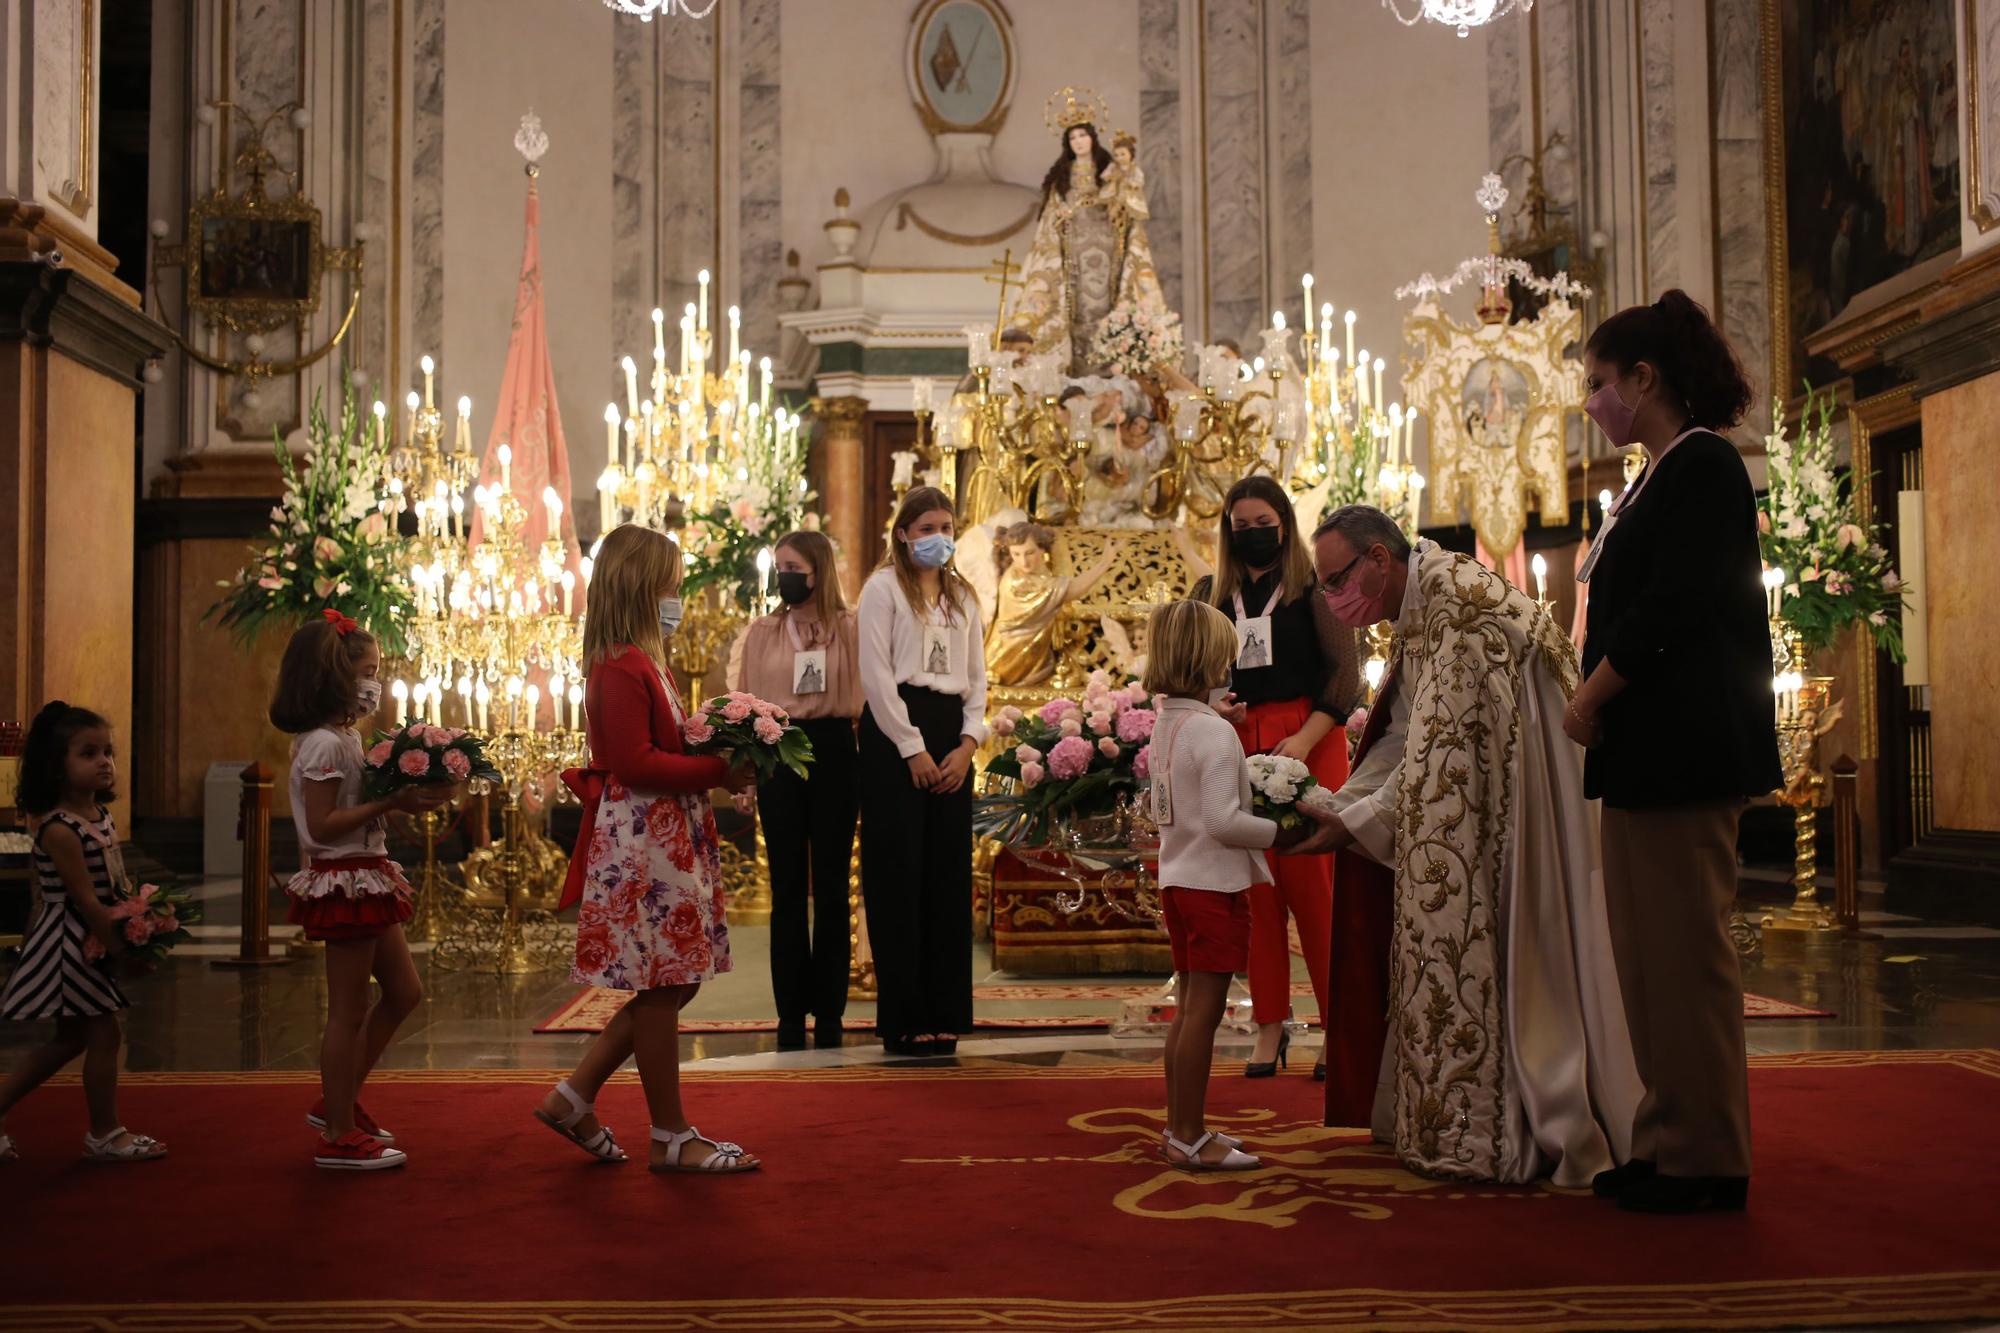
[[1357, 439], [1020, 445], [1803, 713], [493, 624]]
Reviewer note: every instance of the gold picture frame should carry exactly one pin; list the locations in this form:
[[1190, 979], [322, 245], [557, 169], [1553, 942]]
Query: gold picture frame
[[254, 265]]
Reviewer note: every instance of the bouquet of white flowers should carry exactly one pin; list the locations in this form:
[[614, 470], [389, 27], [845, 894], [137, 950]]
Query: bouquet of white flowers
[[1276, 785]]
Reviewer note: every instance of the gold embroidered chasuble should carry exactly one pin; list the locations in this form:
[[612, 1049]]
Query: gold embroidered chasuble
[[1508, 1051]]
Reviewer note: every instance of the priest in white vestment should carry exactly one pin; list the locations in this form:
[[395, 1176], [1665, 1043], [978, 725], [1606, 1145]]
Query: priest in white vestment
[[1507, 1055]]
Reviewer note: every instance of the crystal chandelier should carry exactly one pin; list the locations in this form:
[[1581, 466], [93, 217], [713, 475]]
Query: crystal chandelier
[[645, 9], [1465, 15]]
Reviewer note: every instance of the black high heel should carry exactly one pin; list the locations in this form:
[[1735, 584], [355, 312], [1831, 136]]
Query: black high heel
[[1269, 1068]]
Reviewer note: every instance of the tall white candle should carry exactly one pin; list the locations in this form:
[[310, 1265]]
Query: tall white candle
[[576, 707], [764, 393], [506, 467], [1378, 379], [735, 327], [631, 387], [702, 279], [428, 366], [659, 334], [1350, 337], [401, 691]]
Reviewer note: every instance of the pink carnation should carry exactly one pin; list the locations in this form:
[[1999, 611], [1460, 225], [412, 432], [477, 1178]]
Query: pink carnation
[[1003, 726], [1357, 721], [735, 710], [1055, 710], [1136, 724], [1070, 727], [1137, 693], [768, 731], [1142, 763], [1011, 713], [379, 755], [1032, 775], [456, 764], [1107, 747], [1027, 754], [1070, 757], [137, 931], [697, 732], [1100, 724], [414, 762]]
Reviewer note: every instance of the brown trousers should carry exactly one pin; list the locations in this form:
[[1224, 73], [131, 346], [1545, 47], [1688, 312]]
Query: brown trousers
[[1669, 883]]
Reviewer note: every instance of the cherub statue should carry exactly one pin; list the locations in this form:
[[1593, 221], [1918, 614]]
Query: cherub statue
[[1020, 646], [1115, 477]]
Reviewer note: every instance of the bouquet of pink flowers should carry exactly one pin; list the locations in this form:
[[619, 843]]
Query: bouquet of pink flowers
[[152, 920], [421, 755], [742, 726], [1073, 757]]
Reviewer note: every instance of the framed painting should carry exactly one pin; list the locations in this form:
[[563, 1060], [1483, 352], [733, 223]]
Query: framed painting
[[1861, 120]]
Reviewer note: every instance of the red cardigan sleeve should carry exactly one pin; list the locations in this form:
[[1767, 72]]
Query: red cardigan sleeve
[[621, 738]]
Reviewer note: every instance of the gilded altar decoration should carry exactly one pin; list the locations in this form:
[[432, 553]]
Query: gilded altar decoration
[[255, 263], [1497, 393]]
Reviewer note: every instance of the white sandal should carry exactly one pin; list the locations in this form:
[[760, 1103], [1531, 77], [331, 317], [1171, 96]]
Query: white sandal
[[600, 1145], [1216, 1134], [137, 1148], [727, 1159], [1232, 1160]]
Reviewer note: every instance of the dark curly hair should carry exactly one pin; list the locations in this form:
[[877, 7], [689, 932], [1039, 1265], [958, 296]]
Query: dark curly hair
[[1058, 177], [45, 756], [318, 680], [1676, 337]]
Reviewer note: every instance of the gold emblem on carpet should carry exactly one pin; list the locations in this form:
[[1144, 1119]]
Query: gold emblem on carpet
[[1306, 1165]]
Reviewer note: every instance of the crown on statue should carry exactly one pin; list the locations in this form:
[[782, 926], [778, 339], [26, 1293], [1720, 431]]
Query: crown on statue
[[1069, 107]]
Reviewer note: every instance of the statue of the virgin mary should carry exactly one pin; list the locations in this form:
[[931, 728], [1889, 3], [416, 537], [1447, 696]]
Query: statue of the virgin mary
[[1090, 252]]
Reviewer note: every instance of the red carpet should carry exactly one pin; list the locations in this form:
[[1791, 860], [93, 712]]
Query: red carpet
[[984, 1197]]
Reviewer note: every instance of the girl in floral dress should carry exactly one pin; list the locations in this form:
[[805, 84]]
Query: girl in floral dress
[[349, 894], [647, 866]]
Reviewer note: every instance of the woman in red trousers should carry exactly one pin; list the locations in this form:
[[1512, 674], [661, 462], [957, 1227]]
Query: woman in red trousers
[[1296, 677]]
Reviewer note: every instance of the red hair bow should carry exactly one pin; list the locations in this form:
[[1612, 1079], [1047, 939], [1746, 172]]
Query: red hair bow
[[341, 624]]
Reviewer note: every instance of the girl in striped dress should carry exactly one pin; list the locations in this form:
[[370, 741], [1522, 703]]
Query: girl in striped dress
[[67, 776]]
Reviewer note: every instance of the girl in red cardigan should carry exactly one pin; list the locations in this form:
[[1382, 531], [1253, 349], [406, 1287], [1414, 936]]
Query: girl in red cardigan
[[647, 864]]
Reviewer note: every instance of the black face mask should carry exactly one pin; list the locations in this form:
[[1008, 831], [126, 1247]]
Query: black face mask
[[792, 586], [1256, 547]]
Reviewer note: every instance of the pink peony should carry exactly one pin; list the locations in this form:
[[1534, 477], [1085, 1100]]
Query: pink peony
[[1070, 727], [1032, 775], [1070, 757], [1003, 726], [1138, 695], [1100, 724], [1011, 713], [415, 763], [697, 732], [768, 731], [456, 764], [1107, 747], [1055, 710], [1027, 754], [1136, 724], [379, 754], [735, 710], [1142, 763]]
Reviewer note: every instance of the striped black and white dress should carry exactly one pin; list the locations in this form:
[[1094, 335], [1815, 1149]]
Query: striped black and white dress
[[54, 980]]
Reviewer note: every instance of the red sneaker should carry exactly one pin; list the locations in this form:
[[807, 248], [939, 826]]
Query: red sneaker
[[362, 1121], [355, 1151]]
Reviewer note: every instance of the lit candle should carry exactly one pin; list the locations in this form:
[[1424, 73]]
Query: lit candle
[[1774, 583], [1350, 337], [1395, 429], [465, 698], [764, 579], [1378, 379], [1410, 436], [1604, 501], [410, 426], [631, 387], [764, 393], [1541, 568], [920, 395], [1306, 310], [401, 691], [482, 696], [735, 326], [1325, 328], [534, 711], [464, 440], [576, 707], [556, 700], [702, 278], [1361, 386], [553, 503], [506, 466], [569, 591], [687, 335], [428, 366], [659, 334], [381, 424]]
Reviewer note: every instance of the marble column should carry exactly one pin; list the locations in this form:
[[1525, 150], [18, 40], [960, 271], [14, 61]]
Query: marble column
[[688, 170], [761, 247], [1743, 277], [1657, 129], [427, 168], [837, 476], [635, 119], [1238, 300], [1290, 179], [1160, 139]]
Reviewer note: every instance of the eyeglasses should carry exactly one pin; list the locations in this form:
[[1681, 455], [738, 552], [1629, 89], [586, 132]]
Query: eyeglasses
[[1339, 580]]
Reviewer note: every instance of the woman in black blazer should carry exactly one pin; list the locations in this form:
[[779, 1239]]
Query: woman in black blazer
[[1677, 710]]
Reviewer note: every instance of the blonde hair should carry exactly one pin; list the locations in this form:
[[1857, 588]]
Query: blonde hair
[[1189, 649], [828, 599], [1295, 564], [636, 566], [957, 592]]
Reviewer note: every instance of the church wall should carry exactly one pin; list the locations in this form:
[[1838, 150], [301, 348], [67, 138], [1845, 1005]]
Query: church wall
[[1979, 124]]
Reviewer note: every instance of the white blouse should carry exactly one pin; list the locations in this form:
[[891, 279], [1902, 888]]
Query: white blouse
[[333, 754], [893, 642], [1212, 839]]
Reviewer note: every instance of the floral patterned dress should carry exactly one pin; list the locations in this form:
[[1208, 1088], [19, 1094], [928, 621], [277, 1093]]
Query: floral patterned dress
[[652, 910]]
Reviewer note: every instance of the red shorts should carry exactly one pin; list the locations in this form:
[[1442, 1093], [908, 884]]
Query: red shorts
[[1209, 931]]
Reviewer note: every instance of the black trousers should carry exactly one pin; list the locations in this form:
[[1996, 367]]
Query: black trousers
[[916, 877], [809, 837]]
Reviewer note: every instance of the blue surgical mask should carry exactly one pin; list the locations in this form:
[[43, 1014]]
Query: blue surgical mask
[[670, 616], [932, 550]]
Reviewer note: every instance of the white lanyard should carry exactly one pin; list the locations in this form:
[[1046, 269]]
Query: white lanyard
[[1621, 504], [1269, 606], [798, 640], [1163, 801]]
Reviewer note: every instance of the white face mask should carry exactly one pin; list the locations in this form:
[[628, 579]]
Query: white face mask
[[369, 692], [670, 616]]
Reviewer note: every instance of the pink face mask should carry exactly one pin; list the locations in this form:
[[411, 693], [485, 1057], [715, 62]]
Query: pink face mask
[[1353, 607], [1615, 419]]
